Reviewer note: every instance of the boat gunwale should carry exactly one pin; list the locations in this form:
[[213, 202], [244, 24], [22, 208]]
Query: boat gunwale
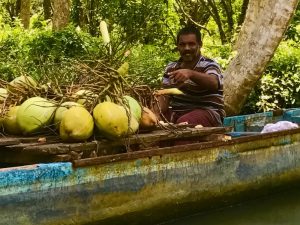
[[178, 149]]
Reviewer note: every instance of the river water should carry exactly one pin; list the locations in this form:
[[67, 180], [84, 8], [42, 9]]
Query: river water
[[278, 209]]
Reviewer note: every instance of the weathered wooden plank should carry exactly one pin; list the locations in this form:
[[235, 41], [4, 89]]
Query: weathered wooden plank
[[39, 149], [102, 145], [39, 139], [22, 143], [167, 135], [8, 141], [61, 148]]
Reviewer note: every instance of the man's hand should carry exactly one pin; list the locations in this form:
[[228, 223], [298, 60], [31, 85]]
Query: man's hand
[[180, 76]]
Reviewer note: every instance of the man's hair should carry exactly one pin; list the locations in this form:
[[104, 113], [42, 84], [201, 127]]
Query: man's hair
[[190, 30]]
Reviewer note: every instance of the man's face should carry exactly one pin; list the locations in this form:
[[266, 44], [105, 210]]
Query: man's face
[[188, 47]]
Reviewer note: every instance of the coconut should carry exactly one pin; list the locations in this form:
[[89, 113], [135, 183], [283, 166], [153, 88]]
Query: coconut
[[3, 94], [76, 125], [134, 107], [61, 110], [112, 120], [34, 114], [148, 120], [21, 82], [134, 125], [10, 121], [84, 96]]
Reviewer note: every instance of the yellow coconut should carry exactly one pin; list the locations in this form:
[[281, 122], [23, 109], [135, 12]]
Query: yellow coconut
[[35, 114], [21, 82], [134, 107], [112, 120], [10, 121], [3, 94], [84, 96], [61, 110], [76, 125]]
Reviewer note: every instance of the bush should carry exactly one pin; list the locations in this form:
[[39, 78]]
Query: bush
[[32, 51], [147, 64], [280, 84]]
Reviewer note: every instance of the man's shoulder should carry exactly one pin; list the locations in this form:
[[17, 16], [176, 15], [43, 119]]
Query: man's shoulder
[[206, 62], [171, 64]]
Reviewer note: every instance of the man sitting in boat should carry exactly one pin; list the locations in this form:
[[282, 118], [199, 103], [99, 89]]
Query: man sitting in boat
[[199, 99]]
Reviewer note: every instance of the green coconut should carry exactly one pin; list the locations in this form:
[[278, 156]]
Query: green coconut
[[10, 121], [3, 94], [134, 125], [21, 82], [35, 114], [61, 110], [84, 96], [134, 107], [76, 125], [112, 120]]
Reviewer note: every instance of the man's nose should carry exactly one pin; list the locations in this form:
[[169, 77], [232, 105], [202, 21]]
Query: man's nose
[[187, 47]]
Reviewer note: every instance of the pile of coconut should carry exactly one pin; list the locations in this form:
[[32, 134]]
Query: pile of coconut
[[75, 115]]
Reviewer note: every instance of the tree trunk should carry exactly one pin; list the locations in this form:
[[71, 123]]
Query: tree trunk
[[243, 12], [47, 9], [227, 7], [264, 26], [213, 10], [92, 23], [18, 7], [25, 13], [76, 12], [61, 14]]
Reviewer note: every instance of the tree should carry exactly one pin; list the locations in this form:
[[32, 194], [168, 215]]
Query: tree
[[264, 27], [243, 12], [61, 14], [25, 13], [47, 9], [191, 12], [226, 14]]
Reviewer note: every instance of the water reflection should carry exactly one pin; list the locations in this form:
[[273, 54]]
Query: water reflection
[[279, 209]]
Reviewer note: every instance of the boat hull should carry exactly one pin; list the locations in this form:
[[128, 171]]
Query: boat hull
[[165, 183]]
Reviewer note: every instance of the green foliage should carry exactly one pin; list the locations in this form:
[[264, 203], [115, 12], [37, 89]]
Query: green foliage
[[147, 63], [135, 21], [221, 53], [30, 51], [293, 32], [280, 84]]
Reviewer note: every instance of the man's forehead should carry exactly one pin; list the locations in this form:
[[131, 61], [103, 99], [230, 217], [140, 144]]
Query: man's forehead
[[187, 37]]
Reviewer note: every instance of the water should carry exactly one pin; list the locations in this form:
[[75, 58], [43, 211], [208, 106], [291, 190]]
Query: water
[[279, 209]]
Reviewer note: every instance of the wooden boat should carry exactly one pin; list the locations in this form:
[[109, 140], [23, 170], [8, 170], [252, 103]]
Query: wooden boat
[[147, 184]]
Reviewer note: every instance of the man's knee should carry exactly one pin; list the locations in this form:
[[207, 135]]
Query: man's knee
[[199, 116]]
